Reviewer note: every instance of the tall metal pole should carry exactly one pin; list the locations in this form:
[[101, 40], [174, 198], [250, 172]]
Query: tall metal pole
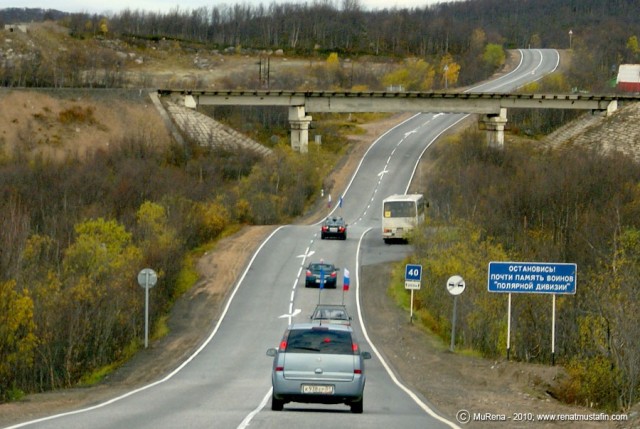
[[411, 311], [509, 328], [146, 312], [553, 331], [446, 77], [147, 285], [570, 35], [453, 324], [147, 278], [455, 286]]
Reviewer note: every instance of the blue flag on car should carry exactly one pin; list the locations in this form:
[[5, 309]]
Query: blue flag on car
[[345, 280], [322, 277]]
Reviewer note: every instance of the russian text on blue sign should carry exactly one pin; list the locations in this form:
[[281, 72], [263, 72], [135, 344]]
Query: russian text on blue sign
[[532, 277], [413, 272]]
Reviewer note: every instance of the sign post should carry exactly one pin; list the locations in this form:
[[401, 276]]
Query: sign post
[[147, 278], [455, 286], [412, 281], [533, 277]]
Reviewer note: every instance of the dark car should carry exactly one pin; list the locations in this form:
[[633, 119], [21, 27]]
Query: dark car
[[331, 313], [334, 227], [318, 270], [318, 364]]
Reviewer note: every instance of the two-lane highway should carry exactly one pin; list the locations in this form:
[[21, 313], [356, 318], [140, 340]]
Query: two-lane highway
[[226, 384]]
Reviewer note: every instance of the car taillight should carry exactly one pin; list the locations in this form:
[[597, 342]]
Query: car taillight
[[341, 229], [357, 371], [333, 274], [308, 273], [283, 345], [279, 368], [355, 348], [324, 228]]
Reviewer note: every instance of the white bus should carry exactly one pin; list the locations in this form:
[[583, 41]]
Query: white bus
[[400, 214]]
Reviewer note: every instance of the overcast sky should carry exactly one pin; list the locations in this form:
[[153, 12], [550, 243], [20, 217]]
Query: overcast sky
[[111, 6]]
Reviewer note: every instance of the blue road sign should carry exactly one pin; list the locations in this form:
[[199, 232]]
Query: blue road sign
[[532, 277], [413, 277], [413, 272]]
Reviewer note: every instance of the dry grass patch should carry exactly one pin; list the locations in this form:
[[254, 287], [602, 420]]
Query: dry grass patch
[[38, 124]]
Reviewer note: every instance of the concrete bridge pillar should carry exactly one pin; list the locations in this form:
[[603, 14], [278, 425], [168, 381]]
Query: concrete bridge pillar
[[494, 124], [299, 123], [612, 106]]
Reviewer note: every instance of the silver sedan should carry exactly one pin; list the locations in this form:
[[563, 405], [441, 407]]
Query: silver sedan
[[318, 364]]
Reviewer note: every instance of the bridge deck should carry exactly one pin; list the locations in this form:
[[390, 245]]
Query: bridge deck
[[396, 101]]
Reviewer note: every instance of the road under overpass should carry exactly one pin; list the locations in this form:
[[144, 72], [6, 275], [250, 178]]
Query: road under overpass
[[492, 107]]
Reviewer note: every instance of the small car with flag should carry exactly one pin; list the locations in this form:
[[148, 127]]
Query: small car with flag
[[331, 314], [322, 275]]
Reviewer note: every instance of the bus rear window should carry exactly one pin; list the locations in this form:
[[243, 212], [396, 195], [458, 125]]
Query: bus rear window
[[399, 209]]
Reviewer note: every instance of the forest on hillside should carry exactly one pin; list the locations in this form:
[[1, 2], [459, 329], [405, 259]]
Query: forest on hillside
[[74, 233], [601, 34]]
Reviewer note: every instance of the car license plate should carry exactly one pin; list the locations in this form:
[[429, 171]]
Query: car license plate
[[317, 389], [333, 229]]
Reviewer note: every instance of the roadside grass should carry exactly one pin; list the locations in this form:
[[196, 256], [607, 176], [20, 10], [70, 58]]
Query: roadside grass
[[95, 377], [421, 318], [188, 275]]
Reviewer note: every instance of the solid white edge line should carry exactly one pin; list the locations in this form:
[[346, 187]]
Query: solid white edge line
[[355, 173], [175, 371], [252, 414], [409, 392], [415, 167]]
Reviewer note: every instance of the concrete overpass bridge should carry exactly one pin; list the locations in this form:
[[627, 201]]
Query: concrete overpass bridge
[[492, 107]]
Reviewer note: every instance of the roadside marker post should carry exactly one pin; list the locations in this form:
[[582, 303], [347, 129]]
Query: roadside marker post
[[147, 278], [455, 286]]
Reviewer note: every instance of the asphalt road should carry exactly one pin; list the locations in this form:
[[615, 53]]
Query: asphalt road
[[227, 383]]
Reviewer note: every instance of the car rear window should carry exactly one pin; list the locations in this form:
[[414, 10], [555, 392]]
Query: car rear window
[[330, 313], [319, 341], [325, 267]]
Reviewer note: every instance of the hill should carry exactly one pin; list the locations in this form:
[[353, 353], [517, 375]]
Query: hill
[[19, 15]]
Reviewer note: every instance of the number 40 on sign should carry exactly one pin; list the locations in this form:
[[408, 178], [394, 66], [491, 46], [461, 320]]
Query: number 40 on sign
[[412, 276], [412, 281]]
